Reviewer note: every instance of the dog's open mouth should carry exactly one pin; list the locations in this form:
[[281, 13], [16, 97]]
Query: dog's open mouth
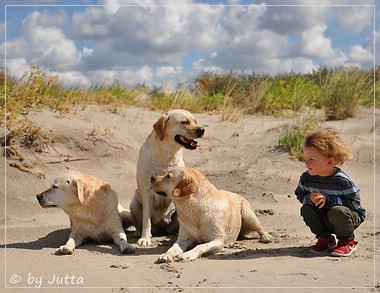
[[161, 193], [187, 143]]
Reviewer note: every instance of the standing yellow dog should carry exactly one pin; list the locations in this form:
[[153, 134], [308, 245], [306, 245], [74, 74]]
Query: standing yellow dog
[[160, 153]]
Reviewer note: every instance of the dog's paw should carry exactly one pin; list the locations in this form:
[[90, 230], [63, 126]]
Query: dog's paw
[[187, 256], [126, 248], [64, 249], [165, 257], [265, 238], [144, 241]]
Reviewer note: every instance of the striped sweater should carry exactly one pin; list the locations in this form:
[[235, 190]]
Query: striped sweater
[[338, 188]]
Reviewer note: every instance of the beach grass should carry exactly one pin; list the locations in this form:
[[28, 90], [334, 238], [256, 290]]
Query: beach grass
[[337, 92]]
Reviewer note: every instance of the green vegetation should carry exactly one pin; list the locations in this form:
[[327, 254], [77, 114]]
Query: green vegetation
[[293, 136], [293, 139], [337, 92]]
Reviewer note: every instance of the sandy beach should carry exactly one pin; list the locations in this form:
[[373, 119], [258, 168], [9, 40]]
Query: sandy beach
[[242, 157]]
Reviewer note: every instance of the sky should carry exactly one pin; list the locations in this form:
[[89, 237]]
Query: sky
[[168, 43]]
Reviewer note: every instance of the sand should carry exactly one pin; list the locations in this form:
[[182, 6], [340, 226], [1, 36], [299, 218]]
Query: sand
[[242, 157]]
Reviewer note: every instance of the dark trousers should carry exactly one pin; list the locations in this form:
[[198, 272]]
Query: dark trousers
[[338, 220]]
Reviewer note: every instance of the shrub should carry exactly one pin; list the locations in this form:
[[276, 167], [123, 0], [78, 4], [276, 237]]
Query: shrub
[[293, 139], [294, 135], [343, 90]]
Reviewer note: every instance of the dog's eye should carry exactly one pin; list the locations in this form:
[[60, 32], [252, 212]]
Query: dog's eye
[[185, 122], [68, 181]]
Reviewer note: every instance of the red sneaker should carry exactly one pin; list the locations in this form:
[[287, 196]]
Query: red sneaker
[[323, 244], [344, 248]]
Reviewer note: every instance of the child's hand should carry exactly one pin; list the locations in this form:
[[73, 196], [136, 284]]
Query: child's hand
[[318, 199]]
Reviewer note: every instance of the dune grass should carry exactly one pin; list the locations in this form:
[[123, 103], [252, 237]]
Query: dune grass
[[338, 92]]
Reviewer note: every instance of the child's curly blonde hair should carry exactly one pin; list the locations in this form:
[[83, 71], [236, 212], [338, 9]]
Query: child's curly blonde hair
[[329, 142]]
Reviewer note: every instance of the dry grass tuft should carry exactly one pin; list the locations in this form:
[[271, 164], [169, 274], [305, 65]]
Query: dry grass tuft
[[23, 133]]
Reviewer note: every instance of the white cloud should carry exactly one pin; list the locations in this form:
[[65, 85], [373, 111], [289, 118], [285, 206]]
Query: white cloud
[[47, 19], [16, 48], [315, 44], [44, 45], [364, 55], [168, 71], [160, 34], [360, 55], [340, 59], [202, 64], [247, 47], [250, 51], [142, 75], [41, 43], [150, 44], [292, 19], [18, 67], [93, 23], [356, 18], [302, 65], [87, 51], [74, 79]]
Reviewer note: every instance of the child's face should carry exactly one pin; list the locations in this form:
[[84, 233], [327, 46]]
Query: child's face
[[317, 163]]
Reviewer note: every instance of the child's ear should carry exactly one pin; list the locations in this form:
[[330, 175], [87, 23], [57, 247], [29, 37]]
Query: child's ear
[[331, 161]]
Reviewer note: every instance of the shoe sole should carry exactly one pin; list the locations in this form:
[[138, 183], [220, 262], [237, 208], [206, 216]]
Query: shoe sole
[[321, 252], [334, 253]]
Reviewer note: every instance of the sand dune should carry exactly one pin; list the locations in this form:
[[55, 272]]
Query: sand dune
[[241, 157]]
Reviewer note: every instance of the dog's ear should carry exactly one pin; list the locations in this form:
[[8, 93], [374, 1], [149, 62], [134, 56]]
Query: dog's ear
[[83, 190], [187, 185], [159, 126]]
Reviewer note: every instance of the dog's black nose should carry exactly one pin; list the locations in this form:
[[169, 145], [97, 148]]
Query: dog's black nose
[[40, 197], [200, 131]]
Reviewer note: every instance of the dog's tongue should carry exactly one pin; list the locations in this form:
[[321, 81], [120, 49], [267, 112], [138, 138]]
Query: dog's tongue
[[195, 144]]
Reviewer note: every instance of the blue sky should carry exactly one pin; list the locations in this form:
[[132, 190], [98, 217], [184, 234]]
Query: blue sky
[[165, 43]]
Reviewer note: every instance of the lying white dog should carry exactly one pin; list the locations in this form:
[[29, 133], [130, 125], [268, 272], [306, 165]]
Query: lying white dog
[[209, 218], [92, 207]]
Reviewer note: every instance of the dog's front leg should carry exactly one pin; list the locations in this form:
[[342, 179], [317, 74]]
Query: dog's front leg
[[146, 235], [178, 248], [74, 241], [120, 239], [201, 249], [167, 217]]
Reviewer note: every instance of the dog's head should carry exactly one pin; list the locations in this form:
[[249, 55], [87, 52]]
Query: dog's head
[[177, 183], [181, 126], [68, 190]]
